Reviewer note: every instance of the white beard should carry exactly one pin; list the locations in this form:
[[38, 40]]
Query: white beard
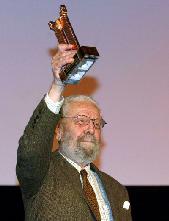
[[82, 151]]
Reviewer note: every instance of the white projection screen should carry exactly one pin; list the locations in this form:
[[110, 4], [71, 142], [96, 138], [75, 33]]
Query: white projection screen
[[130, 80]]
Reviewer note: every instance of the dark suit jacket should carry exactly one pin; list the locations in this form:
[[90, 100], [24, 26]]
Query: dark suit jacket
[[51, 187]]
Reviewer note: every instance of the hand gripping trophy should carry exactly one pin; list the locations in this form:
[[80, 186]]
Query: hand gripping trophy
[[85, 56]]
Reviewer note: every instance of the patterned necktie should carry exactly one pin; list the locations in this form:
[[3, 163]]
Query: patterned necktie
[[90, 195]]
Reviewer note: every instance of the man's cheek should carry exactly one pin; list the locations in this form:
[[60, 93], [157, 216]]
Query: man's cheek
[[98, 137]]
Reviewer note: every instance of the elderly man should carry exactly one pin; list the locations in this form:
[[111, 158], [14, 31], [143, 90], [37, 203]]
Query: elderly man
[[65, 185]]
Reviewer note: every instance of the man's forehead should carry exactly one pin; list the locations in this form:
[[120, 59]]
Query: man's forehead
[[81, 107]]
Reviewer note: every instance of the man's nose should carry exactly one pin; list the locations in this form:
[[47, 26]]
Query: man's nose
[[91, 127]]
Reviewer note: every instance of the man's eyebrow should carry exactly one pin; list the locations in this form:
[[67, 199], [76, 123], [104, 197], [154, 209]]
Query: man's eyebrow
[[87, 116]]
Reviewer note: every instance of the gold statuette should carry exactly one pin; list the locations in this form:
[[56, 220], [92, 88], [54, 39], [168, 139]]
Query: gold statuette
[[85, 56]]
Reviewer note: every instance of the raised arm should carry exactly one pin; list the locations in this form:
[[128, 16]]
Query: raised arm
[[34, 151]]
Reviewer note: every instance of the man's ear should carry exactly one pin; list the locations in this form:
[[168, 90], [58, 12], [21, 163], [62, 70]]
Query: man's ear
[[58, 131]]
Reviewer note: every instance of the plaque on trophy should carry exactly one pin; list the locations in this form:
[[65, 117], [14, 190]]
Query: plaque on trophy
[[85, 56]]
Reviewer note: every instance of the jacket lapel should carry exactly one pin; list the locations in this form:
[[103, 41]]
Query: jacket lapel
[[73, 177], [70, 173]]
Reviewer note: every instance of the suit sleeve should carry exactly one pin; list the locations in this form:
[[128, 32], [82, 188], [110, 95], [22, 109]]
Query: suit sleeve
[[34, 151]]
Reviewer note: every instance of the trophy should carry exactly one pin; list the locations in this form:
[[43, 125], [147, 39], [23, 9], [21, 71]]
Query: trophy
[[85, 56]]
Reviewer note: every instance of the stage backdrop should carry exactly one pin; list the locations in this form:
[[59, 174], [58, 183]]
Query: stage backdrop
[[130, 80]]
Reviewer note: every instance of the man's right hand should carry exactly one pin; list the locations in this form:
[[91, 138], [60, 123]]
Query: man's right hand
[[64, 55]]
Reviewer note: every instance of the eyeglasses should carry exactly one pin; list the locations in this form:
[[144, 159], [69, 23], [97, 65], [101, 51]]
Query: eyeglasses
[[83, 120]]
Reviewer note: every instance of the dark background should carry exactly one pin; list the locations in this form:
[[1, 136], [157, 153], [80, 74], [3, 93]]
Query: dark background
[[149, 203]]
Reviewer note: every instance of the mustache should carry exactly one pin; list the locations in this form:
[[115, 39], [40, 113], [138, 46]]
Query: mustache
[[87, 137]]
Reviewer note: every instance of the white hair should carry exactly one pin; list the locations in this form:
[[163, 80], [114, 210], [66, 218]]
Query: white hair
[[76, 98]]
